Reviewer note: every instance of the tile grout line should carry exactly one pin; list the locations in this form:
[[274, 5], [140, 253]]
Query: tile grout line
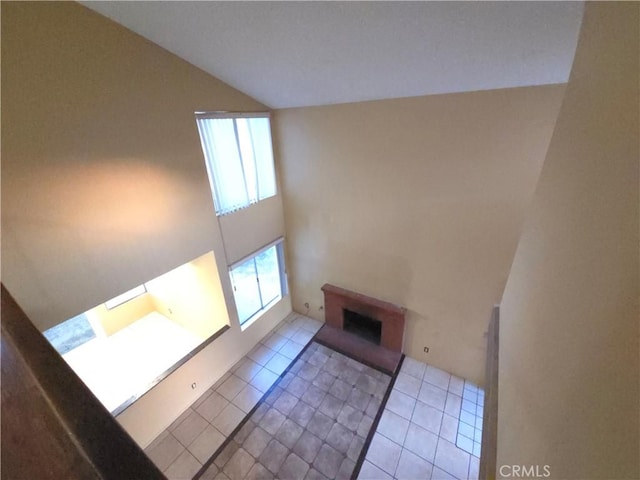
[[228, 439], [374, 426]]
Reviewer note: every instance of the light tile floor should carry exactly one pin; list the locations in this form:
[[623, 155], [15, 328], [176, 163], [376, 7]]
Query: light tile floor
[[191, 440], [428, 429]]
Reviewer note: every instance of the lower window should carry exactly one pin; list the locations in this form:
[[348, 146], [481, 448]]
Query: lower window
[[259, 281]]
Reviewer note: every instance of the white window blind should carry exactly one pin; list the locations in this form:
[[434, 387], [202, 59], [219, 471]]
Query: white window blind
[[239, 157]]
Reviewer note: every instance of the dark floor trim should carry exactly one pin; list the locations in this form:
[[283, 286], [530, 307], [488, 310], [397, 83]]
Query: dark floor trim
[[246, 418], [376, 420]]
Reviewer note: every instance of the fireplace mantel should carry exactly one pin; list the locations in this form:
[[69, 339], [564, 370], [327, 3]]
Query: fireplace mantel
[[391, 316]]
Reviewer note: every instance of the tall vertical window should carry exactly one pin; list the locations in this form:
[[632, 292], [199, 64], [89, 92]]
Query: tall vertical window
[[239, 158], [259, 281]]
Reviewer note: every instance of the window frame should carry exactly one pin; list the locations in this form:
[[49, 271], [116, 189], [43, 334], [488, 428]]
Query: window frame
[[282, 273], [225, 115]]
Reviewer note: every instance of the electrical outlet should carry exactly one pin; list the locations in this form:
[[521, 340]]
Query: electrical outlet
[[306, 304], [426, 349]]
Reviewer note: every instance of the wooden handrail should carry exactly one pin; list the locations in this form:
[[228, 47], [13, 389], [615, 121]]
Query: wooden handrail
[[488, 457], [53, 427]]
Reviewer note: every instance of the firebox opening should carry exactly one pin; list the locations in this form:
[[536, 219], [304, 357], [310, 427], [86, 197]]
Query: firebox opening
[[362, 326]]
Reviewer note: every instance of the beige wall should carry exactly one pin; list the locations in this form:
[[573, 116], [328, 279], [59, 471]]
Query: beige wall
[[191, 295], [416, 201], [114, 319], [104, 185], [569, 352]]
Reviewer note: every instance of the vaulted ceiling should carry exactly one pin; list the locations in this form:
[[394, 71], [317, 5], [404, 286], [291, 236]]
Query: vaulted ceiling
[[290, 54]]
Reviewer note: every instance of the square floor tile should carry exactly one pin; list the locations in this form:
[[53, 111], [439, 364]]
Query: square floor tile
[[451, 459], [247, 369], [401, 404], [212, 406], [206, 444], [349, 417], [439, 474], [449, 428], [464, 443], [264, 380], [288, 433], [231, 387], [408, 385], [474, 468], [331, 406], [355, 448], [273, 456], [298, 386], [258, 472], [184, 467], [247, 398], [365, 426], [432, 396], [291, 349], [307, 446], [427, 417], [256, 442], [190, 428], [468, 418], [274, 341], [413, 367], [164, 450], [228, 419], [239, 465], [384, 453], [453, 404], [437, 377], [421, 442], [313, 396], [320, 425], [261, 354], [466, 430], [456, 385], [278, 363], [393, 426], [370, 472], [272, 421], [293, 468], [339, 438], [301, 413], [180, 419], [470, 407], [328, 461], [412, 467], [285, 403]]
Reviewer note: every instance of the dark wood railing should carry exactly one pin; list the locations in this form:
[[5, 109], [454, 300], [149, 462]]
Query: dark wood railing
[[490, 418], [53, 427]]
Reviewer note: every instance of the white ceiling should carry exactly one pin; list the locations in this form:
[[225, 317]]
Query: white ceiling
[[291, 54]]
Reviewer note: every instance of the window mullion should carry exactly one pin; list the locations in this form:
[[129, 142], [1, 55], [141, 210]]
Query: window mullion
[[244, 174], [255, 266], [255, 162]]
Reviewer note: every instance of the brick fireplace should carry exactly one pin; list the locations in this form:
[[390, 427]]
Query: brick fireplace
[[383, 322]]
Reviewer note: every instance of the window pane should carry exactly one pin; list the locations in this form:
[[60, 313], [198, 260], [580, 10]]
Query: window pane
[[224, 163], [245, 290], [263, 153], [269, 275]]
